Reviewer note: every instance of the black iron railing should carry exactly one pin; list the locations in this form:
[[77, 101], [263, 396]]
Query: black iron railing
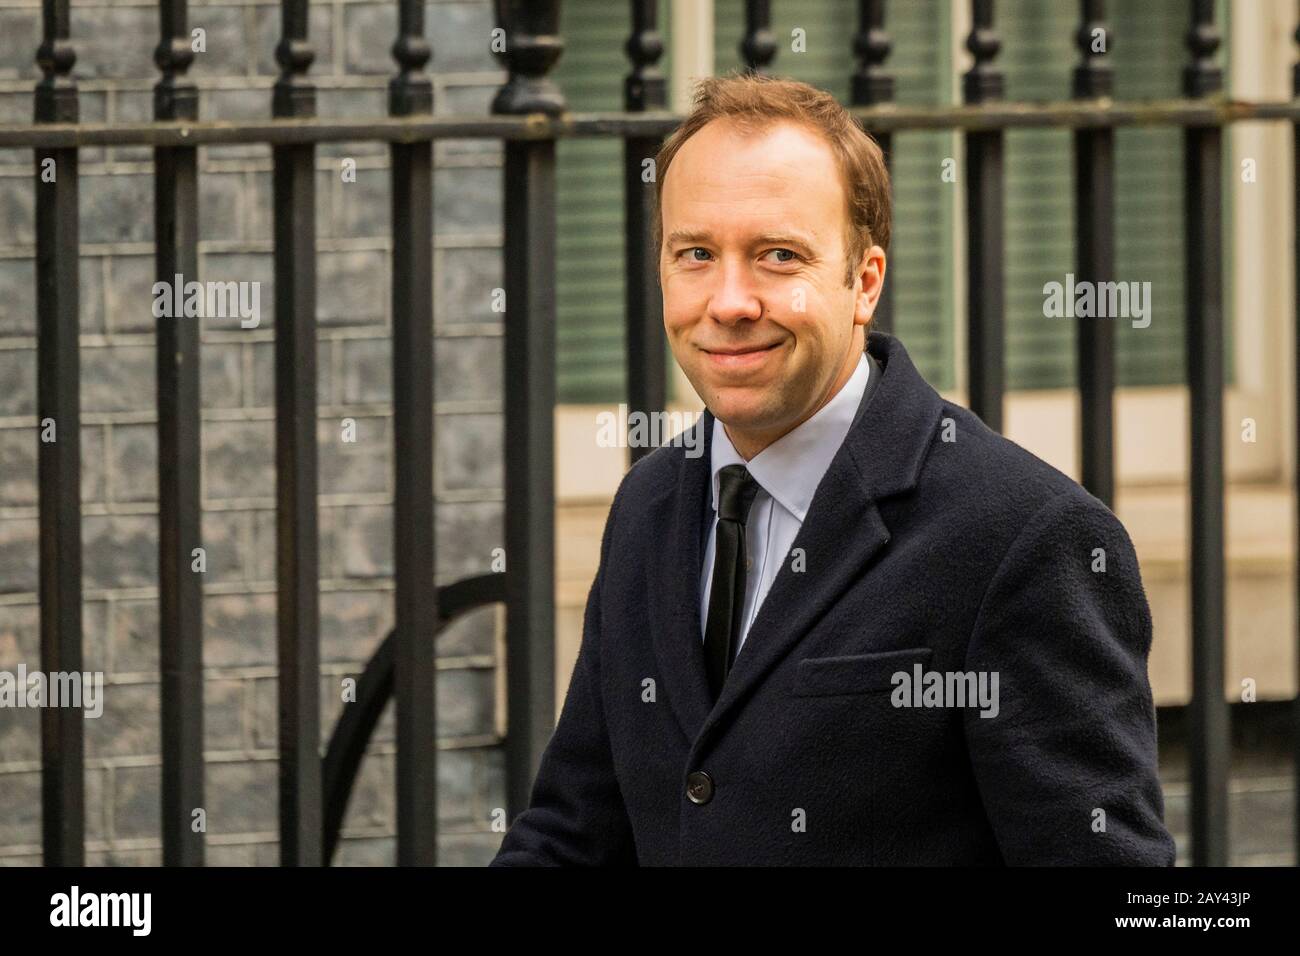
[[529, 115]]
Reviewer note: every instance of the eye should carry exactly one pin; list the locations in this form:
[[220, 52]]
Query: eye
[[695, 249], [793, 255]]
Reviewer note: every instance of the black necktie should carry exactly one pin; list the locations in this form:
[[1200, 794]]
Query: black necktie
[[736, 493]]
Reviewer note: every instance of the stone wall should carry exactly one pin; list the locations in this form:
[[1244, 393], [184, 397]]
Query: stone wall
[[114, 43]]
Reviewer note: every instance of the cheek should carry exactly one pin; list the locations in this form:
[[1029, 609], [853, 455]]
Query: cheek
[[676, 327], [826, 323], [809, 329], [675, 317], [681, 313]]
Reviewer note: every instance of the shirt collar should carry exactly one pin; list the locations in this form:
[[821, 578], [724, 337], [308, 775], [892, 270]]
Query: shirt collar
[[791, 468]]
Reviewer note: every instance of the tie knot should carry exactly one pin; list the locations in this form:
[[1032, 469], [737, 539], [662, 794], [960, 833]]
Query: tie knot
[[736, 491]]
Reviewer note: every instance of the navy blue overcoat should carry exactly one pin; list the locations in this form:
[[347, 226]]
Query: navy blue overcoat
[[932, 545]]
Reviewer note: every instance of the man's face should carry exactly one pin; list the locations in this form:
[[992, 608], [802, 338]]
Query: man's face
[[752, 271]]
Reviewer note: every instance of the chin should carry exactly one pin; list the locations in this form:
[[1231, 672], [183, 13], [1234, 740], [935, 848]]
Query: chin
[[744, 415], [752, 398]]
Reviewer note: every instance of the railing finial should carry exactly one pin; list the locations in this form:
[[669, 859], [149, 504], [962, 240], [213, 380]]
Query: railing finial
[[533, 45], [1295, 71], [174, 95], [758, 48], [871, 84], [56, 93], [411, 91], [645, 87], [1093, 76], [983, 81], [294, 93], [1202, 76]]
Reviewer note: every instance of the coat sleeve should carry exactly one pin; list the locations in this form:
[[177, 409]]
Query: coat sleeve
[[1067, 768], [575, 815]]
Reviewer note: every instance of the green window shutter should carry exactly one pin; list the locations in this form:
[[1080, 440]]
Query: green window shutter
[[920, 257], [1148, 54], [1037, 55], [590, 281]]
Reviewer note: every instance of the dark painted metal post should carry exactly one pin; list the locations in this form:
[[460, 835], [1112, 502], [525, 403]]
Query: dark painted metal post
[[758, 47], [298, 650], [872, 86], [63, 797], [1203, 202], [180, 614], [411, 93], [984, 223], [644, 89], [533, 45], [1094, 204]]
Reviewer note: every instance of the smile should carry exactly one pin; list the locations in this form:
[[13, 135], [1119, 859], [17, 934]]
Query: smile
[[742, 359]]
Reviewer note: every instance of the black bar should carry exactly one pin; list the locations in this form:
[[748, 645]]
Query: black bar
[[984, 228], [63, 797], [298, 650], [644, 89], [872, 86], [758, 47], [180, 598], [534, 45], [411, 92], [1094, 204], [1203, 204]]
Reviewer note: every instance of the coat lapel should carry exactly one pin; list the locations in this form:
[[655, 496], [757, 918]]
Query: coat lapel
[[881, 456], [675, 606]]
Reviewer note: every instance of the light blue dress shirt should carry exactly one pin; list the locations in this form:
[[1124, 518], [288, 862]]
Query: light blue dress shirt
[[788, 472]]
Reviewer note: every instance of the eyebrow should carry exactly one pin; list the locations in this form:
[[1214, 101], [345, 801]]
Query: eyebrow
[[767, 238]]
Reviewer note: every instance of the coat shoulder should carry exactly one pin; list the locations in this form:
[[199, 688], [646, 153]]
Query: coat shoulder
[[983, 474]]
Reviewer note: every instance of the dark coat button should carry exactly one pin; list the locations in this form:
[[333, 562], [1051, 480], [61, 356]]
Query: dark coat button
[[699, 787]]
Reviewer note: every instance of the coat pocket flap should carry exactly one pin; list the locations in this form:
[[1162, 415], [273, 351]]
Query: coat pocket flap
[[856, 673]]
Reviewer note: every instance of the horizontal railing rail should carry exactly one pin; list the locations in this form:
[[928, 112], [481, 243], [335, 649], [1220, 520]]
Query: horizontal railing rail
[[539, 126]]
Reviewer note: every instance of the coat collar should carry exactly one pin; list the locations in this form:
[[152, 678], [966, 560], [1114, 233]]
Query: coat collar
[[881, 456]]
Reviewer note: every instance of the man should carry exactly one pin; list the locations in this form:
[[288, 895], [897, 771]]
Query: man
[[861, 628]]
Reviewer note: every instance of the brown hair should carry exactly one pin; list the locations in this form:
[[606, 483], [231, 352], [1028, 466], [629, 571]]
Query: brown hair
[[756, 101]]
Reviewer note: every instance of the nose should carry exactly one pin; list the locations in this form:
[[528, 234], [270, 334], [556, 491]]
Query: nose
[[735, 299]]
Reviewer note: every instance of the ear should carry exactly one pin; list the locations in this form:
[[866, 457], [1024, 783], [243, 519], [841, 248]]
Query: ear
[[868, 283]]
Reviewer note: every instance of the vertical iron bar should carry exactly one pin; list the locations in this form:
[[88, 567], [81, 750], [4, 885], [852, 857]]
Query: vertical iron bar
[[411, 93], [872, 86], [63, 798], [758, 47], [534, 44], [180, 600], [1202, 201], [298, 610], [1094, 203], [984, 227], [644, 89]]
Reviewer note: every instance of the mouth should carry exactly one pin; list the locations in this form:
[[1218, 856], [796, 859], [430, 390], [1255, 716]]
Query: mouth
[[740, 358]]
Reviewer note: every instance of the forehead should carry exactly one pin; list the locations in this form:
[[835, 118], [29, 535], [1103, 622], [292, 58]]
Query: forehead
[[779, 178]]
